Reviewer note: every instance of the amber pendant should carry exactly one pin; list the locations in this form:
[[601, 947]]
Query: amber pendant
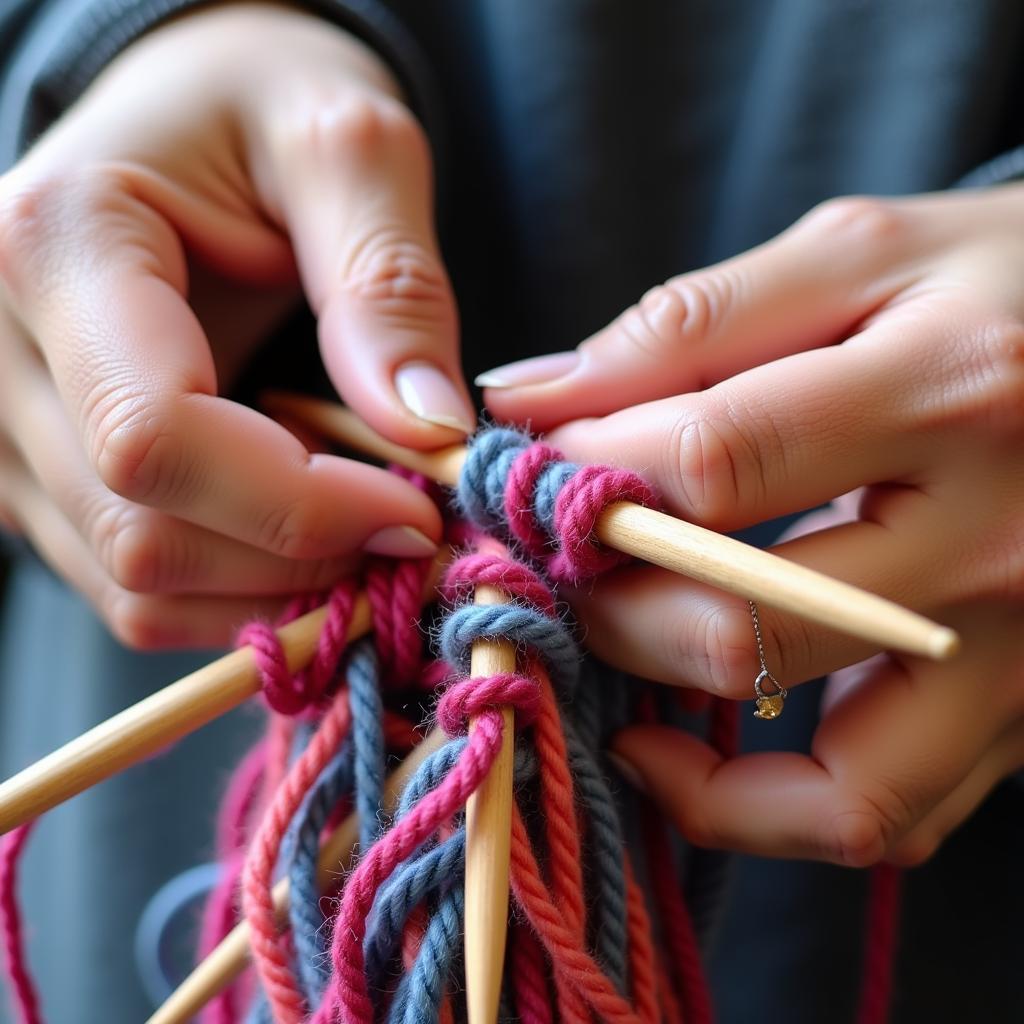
[[769, 706]]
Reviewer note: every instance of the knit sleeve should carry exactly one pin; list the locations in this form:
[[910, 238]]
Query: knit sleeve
[[1006, 167], [51, 52]]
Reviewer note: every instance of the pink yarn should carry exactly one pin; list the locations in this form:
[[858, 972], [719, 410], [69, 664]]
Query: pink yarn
[[23, 990], [494, 570], [347, 991], [395, 591], [580, 503], [519, 497], [271, 950], [221, 913], [289, 693], [473, 696]]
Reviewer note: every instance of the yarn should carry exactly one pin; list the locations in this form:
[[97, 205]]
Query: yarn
[[23, 991], [599, 928], [529, 494]]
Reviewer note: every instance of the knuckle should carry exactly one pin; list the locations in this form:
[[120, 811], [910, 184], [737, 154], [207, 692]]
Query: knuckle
[[289, 530], [134, 448], [401, 280], [27, 224], [361, 125], [715, 467], [858, 220], [869, 824], [135, 621], [1003, 394], [725, 640], [913, 851], [680, 313], [855, 838], [144, 555]]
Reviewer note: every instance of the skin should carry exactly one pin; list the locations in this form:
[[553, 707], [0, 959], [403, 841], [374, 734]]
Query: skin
[[875, 351], [148, 244]]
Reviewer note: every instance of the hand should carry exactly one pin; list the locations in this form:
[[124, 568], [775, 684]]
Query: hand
[[219, 168], [875, 345]]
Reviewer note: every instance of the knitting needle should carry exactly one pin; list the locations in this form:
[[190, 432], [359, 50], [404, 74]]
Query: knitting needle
[[227, 961], [165, 717], [677, 545], [488, 843]]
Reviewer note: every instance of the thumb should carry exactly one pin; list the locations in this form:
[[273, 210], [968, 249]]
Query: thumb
[[351, 178], [807, 288]]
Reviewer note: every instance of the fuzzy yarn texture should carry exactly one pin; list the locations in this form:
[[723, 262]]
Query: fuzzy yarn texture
[[600, 928]]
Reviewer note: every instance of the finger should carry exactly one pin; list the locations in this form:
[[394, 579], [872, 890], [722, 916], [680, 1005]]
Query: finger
[[663, 626], [924, 839], [807, 288], [349, 175], [141, 549], [132, 364], [142, 622], [879, 764], [793, 434]]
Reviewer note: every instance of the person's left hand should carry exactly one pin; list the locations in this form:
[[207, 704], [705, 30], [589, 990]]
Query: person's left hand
[[877, 344]]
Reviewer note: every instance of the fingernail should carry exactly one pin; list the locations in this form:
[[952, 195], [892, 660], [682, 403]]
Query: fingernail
[[628, 772], [429, 394], [540, 370], [401, 542]]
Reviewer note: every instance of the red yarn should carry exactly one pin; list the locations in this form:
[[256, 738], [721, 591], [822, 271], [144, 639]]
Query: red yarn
[[529, 978], [567, 955], [520, 485], [348, 989], [724, 727], [561, 828], [880, 944], [671, 1011], [642, 961], [24, 998], [681, 942], [271, 950], [580, 503]]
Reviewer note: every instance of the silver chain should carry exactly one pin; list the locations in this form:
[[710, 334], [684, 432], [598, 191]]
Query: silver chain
[[765, 672]]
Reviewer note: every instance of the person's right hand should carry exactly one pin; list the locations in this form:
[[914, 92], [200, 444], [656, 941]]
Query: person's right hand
[[221, 166]]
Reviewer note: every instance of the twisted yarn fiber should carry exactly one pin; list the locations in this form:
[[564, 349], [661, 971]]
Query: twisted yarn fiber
[[528, 493], [591, 938]]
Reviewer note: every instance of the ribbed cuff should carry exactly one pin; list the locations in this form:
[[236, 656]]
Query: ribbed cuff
[[1006, 167]]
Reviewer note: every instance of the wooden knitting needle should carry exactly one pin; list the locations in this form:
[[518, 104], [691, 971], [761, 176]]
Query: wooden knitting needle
[[165, 717], [677, 545], [488, 843], [228, 960]]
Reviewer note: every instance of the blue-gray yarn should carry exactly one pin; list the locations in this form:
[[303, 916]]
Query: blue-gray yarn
[[480, 492], [420, 992], [404, 891], [525, 627], [551, 480], [430, 774], [606, 853], [429, 868], [300, 850], [363, 677]]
